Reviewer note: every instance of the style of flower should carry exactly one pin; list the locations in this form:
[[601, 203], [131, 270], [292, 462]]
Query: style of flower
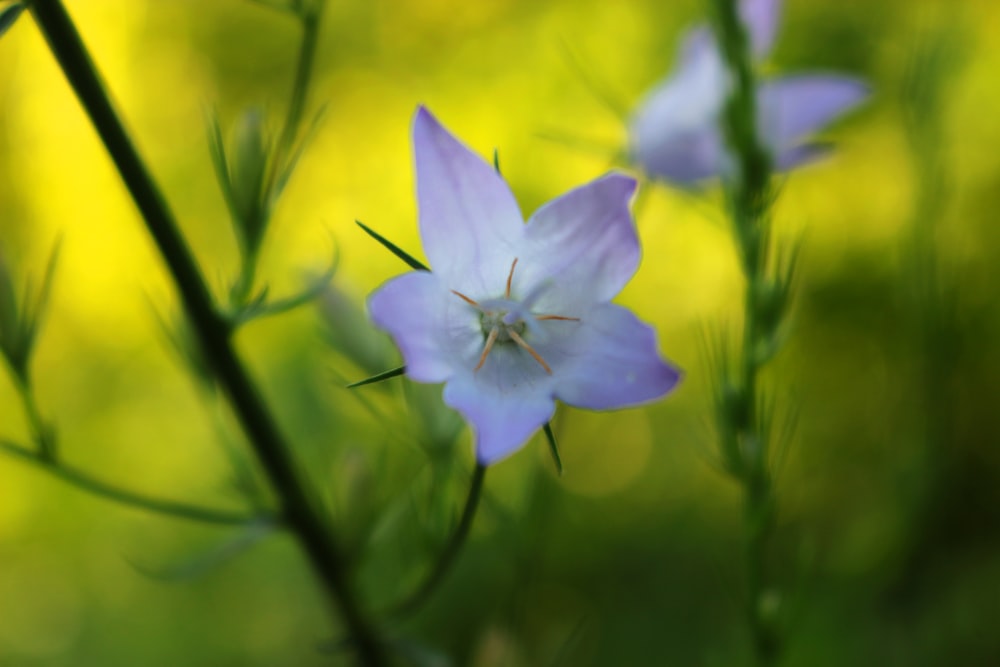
[[675, 134], [513, 316]]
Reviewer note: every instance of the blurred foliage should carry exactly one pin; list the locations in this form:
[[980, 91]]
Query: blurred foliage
[[889, 497]]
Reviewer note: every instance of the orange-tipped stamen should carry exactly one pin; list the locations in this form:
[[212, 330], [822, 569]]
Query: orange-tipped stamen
[[510, 277], [557, 317], [514, 336], [466, 299], [492, 338]]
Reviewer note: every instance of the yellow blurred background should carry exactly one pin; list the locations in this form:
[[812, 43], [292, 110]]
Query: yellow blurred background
[[632, 556]]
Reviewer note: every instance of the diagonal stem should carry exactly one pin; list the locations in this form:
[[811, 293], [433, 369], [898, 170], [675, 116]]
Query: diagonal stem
[[301, 509]]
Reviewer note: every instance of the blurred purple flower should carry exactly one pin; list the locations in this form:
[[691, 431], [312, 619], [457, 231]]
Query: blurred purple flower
[[675, 133], [517, 315]]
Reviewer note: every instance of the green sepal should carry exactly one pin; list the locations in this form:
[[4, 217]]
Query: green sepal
[[553, 447], [386, 375], [393, 248]]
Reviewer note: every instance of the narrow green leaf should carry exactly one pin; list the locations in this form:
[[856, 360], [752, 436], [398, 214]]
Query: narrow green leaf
[[286, 171], [177, 334], [496, 161], [393, 248], [40, 301], [378, 378], [259, 307], [95, 487], [9, 16], [551, 437], [580, 143], [217, 149], [219, 554], [10, 318], [599, 89]]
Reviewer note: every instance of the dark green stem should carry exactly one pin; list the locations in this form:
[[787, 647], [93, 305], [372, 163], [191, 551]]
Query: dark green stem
[[301, 510], [749, 192], [437, 573], [85, 482]]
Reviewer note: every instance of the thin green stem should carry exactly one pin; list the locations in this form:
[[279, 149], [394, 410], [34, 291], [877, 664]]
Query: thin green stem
[[86, 482], [285, 155], [310, 14], [41, 434], [243, 288], [301, 509], [447, 556], [749, 193]]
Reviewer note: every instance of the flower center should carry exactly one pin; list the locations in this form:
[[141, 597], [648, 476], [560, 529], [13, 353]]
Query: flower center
[[503, 322]]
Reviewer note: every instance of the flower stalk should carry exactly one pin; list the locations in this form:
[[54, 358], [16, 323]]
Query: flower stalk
[[742, 413], [300, 507], [447, 556]]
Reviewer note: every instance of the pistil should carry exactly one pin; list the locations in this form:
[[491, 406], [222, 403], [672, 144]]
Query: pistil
[[501, 331]]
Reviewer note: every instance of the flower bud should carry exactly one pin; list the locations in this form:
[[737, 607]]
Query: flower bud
[[250, 152]]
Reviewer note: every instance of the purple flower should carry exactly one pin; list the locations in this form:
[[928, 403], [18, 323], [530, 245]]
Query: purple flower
[[675, 133], [515, 315]]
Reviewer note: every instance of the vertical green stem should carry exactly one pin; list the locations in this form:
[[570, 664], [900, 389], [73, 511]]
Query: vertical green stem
[[300, 507], [749, 200]]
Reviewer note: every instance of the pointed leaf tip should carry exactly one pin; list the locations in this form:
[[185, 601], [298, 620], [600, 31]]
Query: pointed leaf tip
[[385, 375], [9, 16], [553, 448], [393, 248]]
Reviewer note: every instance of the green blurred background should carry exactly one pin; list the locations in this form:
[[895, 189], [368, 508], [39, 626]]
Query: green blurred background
[[887, 550]]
